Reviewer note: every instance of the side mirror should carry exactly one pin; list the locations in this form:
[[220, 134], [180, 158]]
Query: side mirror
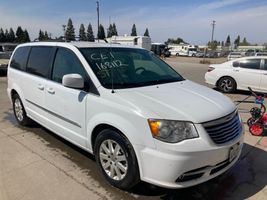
[[73, 81], [236, 64]]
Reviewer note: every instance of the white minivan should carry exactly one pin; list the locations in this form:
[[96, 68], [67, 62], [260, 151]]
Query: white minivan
[[138, 116]]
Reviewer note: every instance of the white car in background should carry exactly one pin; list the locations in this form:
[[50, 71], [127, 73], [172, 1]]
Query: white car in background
[[239, 74], [234, 55]]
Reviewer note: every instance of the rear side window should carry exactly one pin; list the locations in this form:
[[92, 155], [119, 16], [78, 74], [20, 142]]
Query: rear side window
[[250, 63], [19, 58], [40, 60]]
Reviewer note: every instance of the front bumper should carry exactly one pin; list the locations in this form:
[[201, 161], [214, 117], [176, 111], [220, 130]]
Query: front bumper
[[188, 163]]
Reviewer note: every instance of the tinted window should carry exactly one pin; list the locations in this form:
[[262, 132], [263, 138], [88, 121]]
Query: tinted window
[[66, 63], [250, 63], [39, 61], [265, 64], [19, 58]]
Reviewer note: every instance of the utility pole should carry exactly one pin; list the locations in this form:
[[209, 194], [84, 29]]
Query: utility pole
[[212, 32], [64, 32], [97, 9]]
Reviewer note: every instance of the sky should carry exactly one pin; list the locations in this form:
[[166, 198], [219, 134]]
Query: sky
[[188, 19]]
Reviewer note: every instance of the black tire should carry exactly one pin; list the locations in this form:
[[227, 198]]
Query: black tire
[[177, 54], [227, 85], [19, 111], [124, 159]]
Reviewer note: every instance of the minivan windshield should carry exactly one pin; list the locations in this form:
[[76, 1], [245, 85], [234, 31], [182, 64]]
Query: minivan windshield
[[119, 68]]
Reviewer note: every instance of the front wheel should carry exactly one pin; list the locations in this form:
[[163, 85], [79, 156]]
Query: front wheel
[[116, 158], [227, 84]]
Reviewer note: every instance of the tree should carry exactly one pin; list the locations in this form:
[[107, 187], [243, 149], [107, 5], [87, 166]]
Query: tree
[[7, 38], [90, 34], [115, 32], [175, 41], [222, 43], [46, 37], [11, 35], [41, 35], [2, 36], [146, 33], [237, 41], [228, 41], [244, 42], [19, 35], [101, 33], [213, 45], [70, 31], [26, 37], [82, 34], [134, 32], [110, 31]]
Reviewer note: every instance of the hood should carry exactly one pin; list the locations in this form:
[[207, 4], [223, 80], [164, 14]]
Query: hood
[[183, 100]]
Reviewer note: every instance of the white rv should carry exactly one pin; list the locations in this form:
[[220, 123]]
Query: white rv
[[138, 41], [182, 49]]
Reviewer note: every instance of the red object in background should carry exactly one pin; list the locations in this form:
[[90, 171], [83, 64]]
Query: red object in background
[[264, 119], [256, 129]]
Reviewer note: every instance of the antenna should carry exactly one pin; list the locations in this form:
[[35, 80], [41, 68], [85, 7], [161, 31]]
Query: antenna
[[112, 77]]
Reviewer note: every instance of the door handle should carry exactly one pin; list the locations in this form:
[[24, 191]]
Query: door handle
[[50, 90], [40, 87]]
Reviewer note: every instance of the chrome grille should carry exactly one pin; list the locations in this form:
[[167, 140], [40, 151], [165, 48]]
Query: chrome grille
[[224, 129]]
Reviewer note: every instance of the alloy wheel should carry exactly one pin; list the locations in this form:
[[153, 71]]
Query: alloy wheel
[[113, 159]]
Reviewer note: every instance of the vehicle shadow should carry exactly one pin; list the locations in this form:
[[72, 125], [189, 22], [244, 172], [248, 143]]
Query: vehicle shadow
[[247, 178]]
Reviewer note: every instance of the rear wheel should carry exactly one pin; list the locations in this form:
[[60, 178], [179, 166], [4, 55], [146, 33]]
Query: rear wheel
[[177, 54], [19, 111], [116, 158], [227, 84]]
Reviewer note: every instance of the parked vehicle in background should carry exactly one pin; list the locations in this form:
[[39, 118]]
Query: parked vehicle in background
[[182, 49], [159, 49], [251, 52], [261, 54], [211, 54], [200, 54], [138, 116], [6, 50], [239, 74], [136, 41], [234, 55]]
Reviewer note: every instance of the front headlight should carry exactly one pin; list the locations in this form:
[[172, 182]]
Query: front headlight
[[172, 131]]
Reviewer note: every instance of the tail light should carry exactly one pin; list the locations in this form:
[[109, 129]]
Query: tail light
[[210, 69]]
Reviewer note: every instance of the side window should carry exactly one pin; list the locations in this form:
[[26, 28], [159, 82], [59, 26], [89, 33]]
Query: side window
[[250, 63], [39, 60], [265, 64], [19, 58], [66, 63]]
